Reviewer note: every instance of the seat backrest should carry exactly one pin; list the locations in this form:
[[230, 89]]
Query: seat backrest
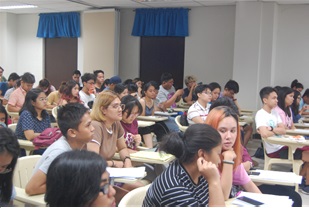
[[12, 126], [181, 127], [134, 198], [55, 112], [23, 170]]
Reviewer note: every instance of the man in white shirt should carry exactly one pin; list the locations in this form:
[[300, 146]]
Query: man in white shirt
[[268, 121], [86, 94]]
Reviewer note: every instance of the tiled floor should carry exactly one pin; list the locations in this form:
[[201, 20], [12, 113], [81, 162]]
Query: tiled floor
[[252, 146]]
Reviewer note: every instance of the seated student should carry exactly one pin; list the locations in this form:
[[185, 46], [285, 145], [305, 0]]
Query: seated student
[[9, 152], [129, 123], [167, 94], [33, 118], [75, 124], [8, 93], [2, 78], [149, 107], [304, 103], [198, 111], [70, 93], [54, 98], [188, 93], [79, 178], [133, 90], [99, 80], [233, 173], [295, 105], [105, 84], [46, 86], [230, 89], [17, 98], [86, 94], [4, 86], [108, 135], [285, 100], [139, 83], [247, 161], [4, 118], [112, 83], [121, 90], [295, 85], [215, 91], [192, 179], [76, 77]]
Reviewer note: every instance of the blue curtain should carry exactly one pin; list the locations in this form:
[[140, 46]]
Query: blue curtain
[[161, 22], [55, 25]]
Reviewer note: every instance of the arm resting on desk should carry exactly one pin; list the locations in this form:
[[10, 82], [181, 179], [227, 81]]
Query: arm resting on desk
[[37, 184], [124, 152]]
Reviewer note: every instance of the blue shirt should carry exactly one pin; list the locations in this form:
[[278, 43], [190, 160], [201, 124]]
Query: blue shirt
[[3, 87], [27, 121]]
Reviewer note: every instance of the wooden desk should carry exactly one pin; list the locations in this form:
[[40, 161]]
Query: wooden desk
[[152, 118], [145, 123], [303, 132], [36, 200], [305, 120], [149, 157]]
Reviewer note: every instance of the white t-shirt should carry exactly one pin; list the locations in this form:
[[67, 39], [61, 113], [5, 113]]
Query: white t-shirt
[[197, 110], [58, 147], [163, 94], [263, 118], [86, 98]]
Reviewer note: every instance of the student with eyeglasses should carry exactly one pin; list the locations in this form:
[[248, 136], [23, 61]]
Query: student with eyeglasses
[[108, 136], [198, 111], [9, 152], [90, 186], [132, 109], [33, 119]]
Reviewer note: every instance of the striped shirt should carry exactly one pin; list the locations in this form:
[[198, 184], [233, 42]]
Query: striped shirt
[[197, 110], [174, 187]]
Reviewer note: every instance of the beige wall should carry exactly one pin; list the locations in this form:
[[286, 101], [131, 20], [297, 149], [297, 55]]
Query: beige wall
[[99, 42]]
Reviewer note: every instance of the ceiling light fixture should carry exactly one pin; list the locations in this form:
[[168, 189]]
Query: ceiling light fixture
[[18, 7]]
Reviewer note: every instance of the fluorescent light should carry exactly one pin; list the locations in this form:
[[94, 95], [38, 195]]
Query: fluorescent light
[[18, 7]]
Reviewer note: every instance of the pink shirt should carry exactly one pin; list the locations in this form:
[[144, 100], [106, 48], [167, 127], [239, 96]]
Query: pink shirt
[[17, 98], [240, 176], [286, 120]]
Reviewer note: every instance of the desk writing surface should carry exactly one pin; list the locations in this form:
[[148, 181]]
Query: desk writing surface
[[301, 125], [298, 131], [145, 123], [152, 118], [149, 157], [165, 113], [36, 200]]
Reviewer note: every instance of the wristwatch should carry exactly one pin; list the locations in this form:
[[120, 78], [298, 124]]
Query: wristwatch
[[271, 128]]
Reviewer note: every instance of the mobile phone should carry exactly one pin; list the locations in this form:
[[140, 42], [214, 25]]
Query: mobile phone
[[249, 201], [254, 173]]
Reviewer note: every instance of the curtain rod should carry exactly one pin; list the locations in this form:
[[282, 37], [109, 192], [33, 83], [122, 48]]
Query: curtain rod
[[160, 8]]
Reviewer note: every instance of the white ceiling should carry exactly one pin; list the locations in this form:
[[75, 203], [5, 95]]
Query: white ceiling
[[46, 6]]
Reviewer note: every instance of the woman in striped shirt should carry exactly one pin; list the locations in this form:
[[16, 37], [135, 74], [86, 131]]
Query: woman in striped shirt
[[193, 178]]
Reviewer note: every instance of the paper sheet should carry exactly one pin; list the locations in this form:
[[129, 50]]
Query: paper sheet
[[138, 172]]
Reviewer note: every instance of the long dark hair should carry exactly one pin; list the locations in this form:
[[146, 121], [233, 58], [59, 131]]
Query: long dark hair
[[282, 93], [67, 92], [294, 105], [31, 96], [185, 146], [10, 145], [2, 110], [130, 102], [73, 179], [149, 84]]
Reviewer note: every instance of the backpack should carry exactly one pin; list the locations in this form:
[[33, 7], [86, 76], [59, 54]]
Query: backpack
[[183, 119], [46, 138]]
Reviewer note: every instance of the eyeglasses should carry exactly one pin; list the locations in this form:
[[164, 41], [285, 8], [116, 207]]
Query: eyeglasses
[[105, 188], [117, 106], [91, 83], [6, 170]]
